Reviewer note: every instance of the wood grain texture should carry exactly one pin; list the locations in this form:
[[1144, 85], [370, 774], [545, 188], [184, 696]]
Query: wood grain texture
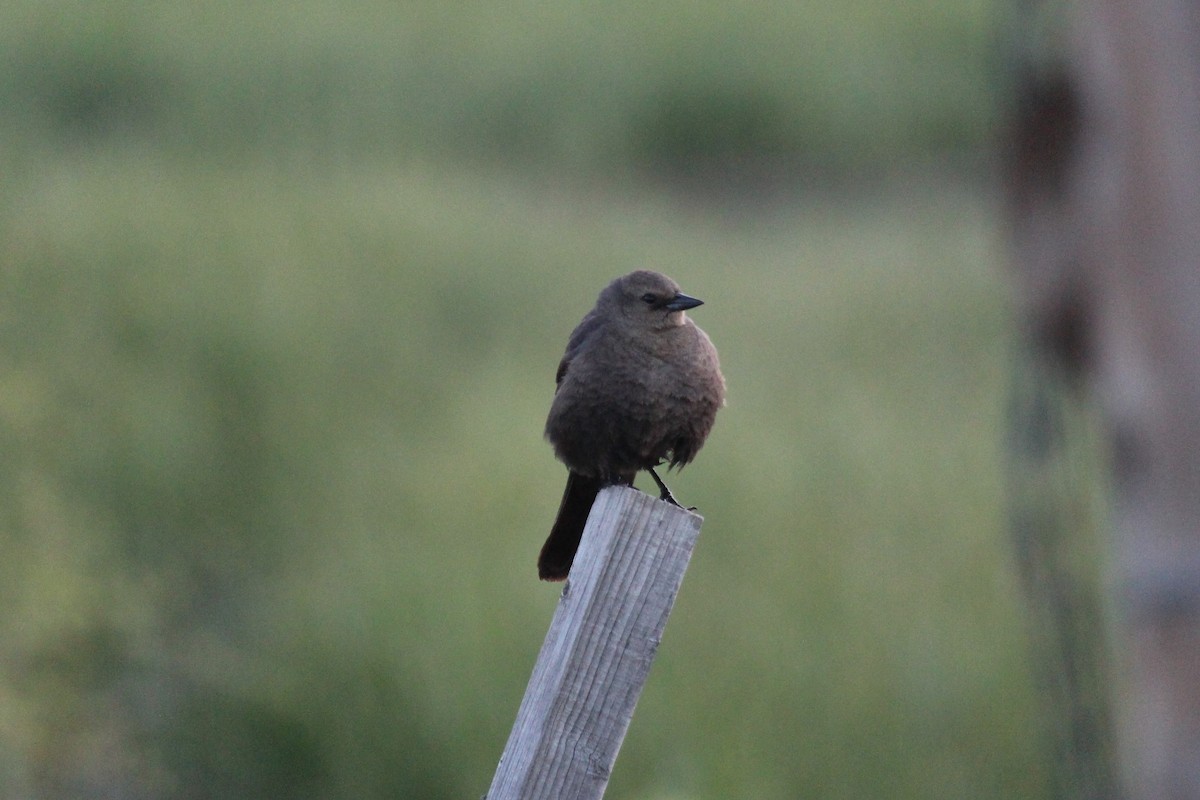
[[597, 653]]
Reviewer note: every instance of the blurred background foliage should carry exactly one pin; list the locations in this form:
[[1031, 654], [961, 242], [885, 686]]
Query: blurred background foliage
[[284, 286]]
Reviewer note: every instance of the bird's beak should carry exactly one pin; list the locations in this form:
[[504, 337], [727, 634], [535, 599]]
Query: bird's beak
[[681, 302]]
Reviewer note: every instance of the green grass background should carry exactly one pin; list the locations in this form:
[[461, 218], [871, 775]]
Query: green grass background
[[283, 287]]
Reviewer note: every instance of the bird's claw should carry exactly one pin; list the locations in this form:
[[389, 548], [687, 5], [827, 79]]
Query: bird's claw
[[665, 493]]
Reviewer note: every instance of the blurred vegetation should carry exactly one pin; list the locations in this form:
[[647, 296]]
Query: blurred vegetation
[[283, 291], [664, 86]]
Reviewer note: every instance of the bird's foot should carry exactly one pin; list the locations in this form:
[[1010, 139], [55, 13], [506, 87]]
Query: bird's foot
[[665, 493], [670, 498]]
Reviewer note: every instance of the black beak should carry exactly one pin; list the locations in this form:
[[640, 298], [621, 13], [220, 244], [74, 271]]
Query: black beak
[[681, 302]]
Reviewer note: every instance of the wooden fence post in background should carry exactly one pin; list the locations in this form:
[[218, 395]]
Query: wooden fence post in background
[[1104, 209], [599, 648]]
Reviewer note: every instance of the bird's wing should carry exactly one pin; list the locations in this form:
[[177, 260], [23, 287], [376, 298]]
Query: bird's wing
[[584, 332]]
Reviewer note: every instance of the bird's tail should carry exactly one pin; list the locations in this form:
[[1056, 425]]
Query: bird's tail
[[554, 562]]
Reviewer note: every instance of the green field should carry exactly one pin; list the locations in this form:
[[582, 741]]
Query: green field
[[283, 293]]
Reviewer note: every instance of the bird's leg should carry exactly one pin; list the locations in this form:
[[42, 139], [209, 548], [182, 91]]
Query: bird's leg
[[665, 493]]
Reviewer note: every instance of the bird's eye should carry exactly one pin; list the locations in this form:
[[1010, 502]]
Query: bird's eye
[[649, 299]]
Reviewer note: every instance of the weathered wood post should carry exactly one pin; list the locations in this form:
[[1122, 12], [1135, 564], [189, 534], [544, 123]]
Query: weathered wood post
[[599, 648], [1104, 190]]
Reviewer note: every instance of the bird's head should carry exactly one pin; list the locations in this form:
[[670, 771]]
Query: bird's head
[[649, 299]]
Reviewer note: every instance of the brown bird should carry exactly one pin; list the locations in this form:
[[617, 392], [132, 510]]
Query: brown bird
[[639, 385]]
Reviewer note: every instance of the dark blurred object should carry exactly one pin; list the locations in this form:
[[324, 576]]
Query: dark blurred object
[[1104, 179]]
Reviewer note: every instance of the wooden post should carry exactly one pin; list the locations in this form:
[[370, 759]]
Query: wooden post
[[599, 648], [1104, 208]]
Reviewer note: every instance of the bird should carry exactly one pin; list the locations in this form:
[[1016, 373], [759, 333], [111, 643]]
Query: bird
[[638, 386]]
